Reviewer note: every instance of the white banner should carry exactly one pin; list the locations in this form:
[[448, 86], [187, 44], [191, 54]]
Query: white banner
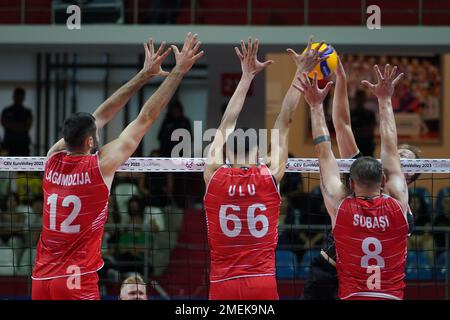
[[198, 164]]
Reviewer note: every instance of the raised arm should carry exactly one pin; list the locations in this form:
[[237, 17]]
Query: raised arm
[[341, 116], [333, 190], [278, 156], [111, 106], [118, 151], [384, 89], [250, 67]]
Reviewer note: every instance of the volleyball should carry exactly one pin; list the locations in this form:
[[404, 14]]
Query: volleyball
[[325, 68]]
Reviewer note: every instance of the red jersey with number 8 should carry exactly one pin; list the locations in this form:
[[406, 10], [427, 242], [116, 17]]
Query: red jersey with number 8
[[371, 237], [242, 207], [75, 212]]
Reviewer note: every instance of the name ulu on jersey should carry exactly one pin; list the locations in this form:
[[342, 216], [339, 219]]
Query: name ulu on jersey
[[62, 179]]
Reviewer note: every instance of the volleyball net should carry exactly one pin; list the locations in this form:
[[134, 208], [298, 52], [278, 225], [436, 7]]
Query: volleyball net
[[157, 228]]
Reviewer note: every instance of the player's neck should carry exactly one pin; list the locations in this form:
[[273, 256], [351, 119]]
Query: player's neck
[[77, 153], [367, 194]]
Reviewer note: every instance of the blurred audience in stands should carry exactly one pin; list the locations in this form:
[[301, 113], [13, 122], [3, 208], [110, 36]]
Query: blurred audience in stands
[[164, 12], [420, 240], [363, 124], [442, 220], [17, 121], [135, 241]]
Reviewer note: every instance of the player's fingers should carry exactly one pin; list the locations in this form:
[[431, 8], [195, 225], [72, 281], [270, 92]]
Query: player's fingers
[[393, 72], [299, 88], [268, 62], [368, 84], [291, 52], [397, 79], [378, 73], [146, 50], [244, 49], [302, 82], [186, 40], [164, 73], [317, 49], [310, 41], [175, 49], [249, 45], [151, 46], [161, 48], [256, 47], [315, 79], [197, 46], [387, 71], [165, 54], [306, 78], [198, 56], [238, 53], [328, 87]]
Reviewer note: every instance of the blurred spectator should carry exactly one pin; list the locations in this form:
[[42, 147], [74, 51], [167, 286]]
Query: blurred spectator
[[289, 235], [156, 187], [363, 124], [175, 119], [133, 288], [29, 185], [35, 219], [312, 213], [420, 240], [160, 14], [125, 186], [135, 242], [110, 242], [12, 222], [17, 121], [292, 182], [442, 220]]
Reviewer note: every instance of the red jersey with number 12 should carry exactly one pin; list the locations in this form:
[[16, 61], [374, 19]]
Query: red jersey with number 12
[[75, 212], [371, 240], [242, 207]]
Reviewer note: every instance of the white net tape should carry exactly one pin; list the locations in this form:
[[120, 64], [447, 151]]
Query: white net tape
[[198, 164]]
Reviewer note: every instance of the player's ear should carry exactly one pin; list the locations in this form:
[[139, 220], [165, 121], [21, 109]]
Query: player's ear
[[352, 184], [383, 181], [89, 142]]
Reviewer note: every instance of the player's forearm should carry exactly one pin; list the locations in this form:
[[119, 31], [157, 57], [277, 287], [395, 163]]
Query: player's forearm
[[289, 105], [341, 108], [108, 109], [236, 103], [159, 100], [388, 129]]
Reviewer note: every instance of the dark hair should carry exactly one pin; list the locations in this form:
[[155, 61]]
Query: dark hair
[[19, 91], [367, 171], [77, 128], [141, 206]]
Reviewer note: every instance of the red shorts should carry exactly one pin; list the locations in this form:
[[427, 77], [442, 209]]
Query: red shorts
[[67, 288], [246, 288]]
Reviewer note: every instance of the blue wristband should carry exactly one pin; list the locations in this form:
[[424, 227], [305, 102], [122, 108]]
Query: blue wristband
[[321, 139]]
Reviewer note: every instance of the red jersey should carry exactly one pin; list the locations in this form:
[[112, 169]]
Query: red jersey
[[75, 212], [242, 207], [371, 240]]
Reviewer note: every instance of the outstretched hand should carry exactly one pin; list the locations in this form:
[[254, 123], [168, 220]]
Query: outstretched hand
[[152, 63], [188, 55], [314, 96], [249, 60], [384, 88], [307, 60]]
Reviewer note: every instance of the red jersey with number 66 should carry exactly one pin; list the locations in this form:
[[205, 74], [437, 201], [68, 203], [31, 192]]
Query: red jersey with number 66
[[371, 237], [242, 207], [75, 212]]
